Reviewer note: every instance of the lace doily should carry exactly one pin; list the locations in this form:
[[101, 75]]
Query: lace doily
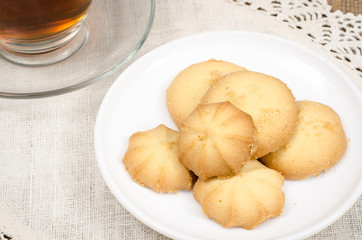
[[51, 188], [339, 33]]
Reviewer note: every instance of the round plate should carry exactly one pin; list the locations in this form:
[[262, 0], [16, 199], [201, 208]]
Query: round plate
[[136, 102], [117, 29]]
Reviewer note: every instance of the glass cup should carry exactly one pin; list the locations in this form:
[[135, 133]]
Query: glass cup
[[30, 27]]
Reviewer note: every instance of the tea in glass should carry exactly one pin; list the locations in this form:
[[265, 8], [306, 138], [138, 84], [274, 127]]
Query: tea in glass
[[36, 26]]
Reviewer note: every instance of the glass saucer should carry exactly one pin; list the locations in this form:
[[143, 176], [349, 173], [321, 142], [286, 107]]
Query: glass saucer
[[117, 29]]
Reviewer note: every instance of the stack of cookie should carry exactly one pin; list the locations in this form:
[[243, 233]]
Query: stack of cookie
[[228, 118]]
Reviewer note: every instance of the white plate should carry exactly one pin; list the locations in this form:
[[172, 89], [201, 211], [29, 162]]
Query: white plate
[[136, 102]]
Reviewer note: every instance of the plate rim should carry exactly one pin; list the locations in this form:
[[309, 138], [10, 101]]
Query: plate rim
[[126, 203]]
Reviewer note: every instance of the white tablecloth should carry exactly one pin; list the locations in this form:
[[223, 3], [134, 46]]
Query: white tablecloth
[[50, 185]]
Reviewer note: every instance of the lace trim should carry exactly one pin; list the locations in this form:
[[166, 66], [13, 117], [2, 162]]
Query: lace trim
[[339, 33]]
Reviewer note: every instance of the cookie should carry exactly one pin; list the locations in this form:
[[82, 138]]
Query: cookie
[[152, 160], [317, 144], [216, 140], [267, 99], [245, 200], [190, 85]]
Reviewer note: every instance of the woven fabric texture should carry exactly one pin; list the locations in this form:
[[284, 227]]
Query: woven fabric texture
[[50, 185]]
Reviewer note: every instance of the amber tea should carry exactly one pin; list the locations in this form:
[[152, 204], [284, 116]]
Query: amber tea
[[38, 20]]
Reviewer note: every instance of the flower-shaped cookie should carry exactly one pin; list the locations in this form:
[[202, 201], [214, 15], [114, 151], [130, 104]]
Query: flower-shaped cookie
[[152, 160], [216, 140], [245, 200]]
